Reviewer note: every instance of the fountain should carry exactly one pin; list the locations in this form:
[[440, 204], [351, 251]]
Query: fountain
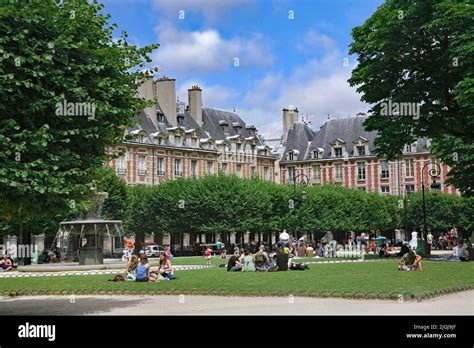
[[86, 237]]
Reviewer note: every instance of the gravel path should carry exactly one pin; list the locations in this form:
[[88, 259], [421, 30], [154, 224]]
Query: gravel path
[[454, 304]]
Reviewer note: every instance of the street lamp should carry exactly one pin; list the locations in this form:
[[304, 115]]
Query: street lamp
[[302, 180], [433, 173]]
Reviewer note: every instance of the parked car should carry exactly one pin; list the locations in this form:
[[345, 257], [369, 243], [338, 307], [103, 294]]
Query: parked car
[[153, 250]]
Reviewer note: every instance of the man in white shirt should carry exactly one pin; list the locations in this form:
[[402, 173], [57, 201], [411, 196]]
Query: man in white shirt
[[284, 238]]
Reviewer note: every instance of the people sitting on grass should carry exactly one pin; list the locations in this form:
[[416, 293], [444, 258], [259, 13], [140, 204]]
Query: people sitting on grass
[[261, 260], [164, 268], [143, 273], [411, 261], [6, 263], [132, 268], [281, 259], [208, 255], [234, 265], [223, 254], [248, 263]]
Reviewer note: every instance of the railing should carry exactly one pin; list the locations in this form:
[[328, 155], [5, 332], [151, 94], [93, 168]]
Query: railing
[[142, 172], [121, 171], [161, 172], [178, 173]]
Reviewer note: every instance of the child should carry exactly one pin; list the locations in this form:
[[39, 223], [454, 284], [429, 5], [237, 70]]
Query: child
[[132, 268], [208, 255], [6, 263], [168, 254]]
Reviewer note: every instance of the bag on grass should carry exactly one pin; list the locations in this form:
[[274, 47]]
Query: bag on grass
[[117, 278]]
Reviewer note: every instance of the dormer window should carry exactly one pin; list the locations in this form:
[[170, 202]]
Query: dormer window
[[290, 156], [177, 140], [238, 147], [361, 150], [315, 154], [160, 117], [224, 125], [338, 152], [193, 142], [410, 147]]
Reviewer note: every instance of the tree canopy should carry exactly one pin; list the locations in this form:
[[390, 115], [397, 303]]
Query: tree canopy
[[420, 53], [54, 54]]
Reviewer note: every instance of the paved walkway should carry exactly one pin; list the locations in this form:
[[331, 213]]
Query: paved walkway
[[454, 304]]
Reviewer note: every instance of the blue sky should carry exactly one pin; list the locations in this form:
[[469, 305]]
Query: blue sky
[[254, 56]]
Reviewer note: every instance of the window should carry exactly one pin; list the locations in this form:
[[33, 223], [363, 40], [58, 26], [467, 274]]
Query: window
[[338, 172], [121, 169], [290, 156], [316, 173], [315, 154], [160, 140], [360, 171], [141, 165], [238, 170], [238, 147], [361, 150], [266, 171], [177, 140], [161, 117], [409, 168], [193, 142], [338, 152], [253, 171], [385, 190], [160, 166], [210, 165], [409, 189], [141, 138], [384, 170], [225, 128], [224, 168], [291, 173], [194, 169], [177, 167]]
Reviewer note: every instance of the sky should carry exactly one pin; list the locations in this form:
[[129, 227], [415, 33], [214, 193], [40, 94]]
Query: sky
[[257, 56]]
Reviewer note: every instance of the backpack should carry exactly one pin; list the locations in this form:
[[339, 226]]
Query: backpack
[[259, 258], [117, 278]]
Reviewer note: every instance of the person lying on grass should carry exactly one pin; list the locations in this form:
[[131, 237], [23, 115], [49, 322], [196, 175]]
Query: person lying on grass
[[143, 271], [6, 263], [411, 261]]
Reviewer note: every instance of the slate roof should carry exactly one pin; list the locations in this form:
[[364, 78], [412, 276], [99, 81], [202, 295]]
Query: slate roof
[[211, 127], [350, 129], [298, 140]]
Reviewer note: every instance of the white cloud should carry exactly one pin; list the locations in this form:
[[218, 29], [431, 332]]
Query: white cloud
[[212, 10], [206, 51], [318, 87]]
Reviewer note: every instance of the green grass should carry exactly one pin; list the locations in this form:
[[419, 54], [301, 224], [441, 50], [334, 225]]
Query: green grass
[[358, 280]]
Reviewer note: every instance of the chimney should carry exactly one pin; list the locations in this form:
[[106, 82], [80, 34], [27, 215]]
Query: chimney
[[195, 103], [147, 92], [166, 94], [290, 117]]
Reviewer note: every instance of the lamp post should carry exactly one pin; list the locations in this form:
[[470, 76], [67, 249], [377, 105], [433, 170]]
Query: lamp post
[[302, 180], [433, 173]]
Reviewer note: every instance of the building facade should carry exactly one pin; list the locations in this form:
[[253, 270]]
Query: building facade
[[171, 140], [341, 152]]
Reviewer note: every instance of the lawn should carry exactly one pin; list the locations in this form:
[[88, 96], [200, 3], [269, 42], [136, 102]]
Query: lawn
[[358, 280]]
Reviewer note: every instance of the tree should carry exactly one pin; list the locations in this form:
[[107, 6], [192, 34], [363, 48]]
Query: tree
[[115, 206], [59, 59], [420, 54]]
